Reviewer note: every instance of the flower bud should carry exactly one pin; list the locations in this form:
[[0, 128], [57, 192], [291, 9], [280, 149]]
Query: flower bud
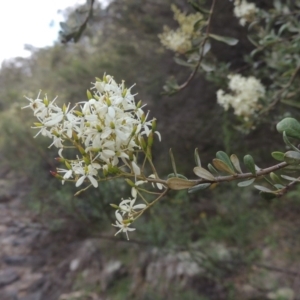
[[130, 182], [56, 175], [68, 165], [78, 113], [75, 136], [108, 101], [60, 159], [149, 153], [86, 160], [130, 154], [89, 95], [153, 125], [139, 104], [150, 139], [46, 101], [124, 92], [128, 221], [80, 149], [114, 206], [143, 143]]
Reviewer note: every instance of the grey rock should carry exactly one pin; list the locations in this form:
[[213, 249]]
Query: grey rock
[[15, 260], [34, 296], [7, 277]]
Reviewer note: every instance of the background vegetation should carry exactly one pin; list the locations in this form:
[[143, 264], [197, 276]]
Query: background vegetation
[[122, 41]]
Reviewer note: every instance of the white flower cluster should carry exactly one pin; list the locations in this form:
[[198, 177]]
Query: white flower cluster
[[126, 213], [245, 93], [180, 40], [244, 11], [105, 129]]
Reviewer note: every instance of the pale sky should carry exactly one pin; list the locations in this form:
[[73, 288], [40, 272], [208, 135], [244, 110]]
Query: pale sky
[[34, 22]]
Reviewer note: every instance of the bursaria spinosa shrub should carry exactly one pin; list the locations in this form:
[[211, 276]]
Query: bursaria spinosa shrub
[[113, 135]]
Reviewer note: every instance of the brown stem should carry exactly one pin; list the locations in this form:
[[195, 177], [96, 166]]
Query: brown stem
[[192, 75]]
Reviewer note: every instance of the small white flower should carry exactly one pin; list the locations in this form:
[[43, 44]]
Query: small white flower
[[122, 224], [67, 175], [159, 185], [244, 11], [127, 206], [244, 96]]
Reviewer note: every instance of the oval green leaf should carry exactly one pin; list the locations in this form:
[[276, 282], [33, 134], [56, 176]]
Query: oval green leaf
[[178, 176], [246, 182], [177, 184], [204, 174], [278, 155], [236, 162], [249, 163], [225, 39], [197, 158], [222, 166], [263, 189], [198, 187], [292, 158], [291, 126], [212, 170], [289, 178], [225, 158], [275, 178], [288, 143]]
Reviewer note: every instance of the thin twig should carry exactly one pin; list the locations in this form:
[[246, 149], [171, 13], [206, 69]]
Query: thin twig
[[192, 75]]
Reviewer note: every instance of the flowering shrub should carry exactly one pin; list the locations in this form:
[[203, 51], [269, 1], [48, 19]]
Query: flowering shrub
[[114, 137], [244, 96], [180, 40], [244, 11]]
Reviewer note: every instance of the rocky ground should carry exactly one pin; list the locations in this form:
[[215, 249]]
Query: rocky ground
[[37, 263]]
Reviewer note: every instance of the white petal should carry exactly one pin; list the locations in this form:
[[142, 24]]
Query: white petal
[[133, 192], [93, 181], [136, 168], [111, 112], [119, 217], [80, 181]]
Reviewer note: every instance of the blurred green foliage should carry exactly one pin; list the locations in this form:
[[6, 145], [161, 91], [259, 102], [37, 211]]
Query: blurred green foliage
[[122, 41]]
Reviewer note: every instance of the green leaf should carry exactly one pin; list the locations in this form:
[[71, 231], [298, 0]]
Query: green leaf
[[263, 189], [207, 67], [198, 187], [279, 186], [212, 170], [222, 166], [197, 158], [178, 176], [291, 127], [288, 143], [177, 184], [246, 182], [206, 48], [292, 157], [225, 158], [182, 62], [275, 178], [225, 39], [278, 155], [236, 163], [249, 163], [204, 174], [289, 178]]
